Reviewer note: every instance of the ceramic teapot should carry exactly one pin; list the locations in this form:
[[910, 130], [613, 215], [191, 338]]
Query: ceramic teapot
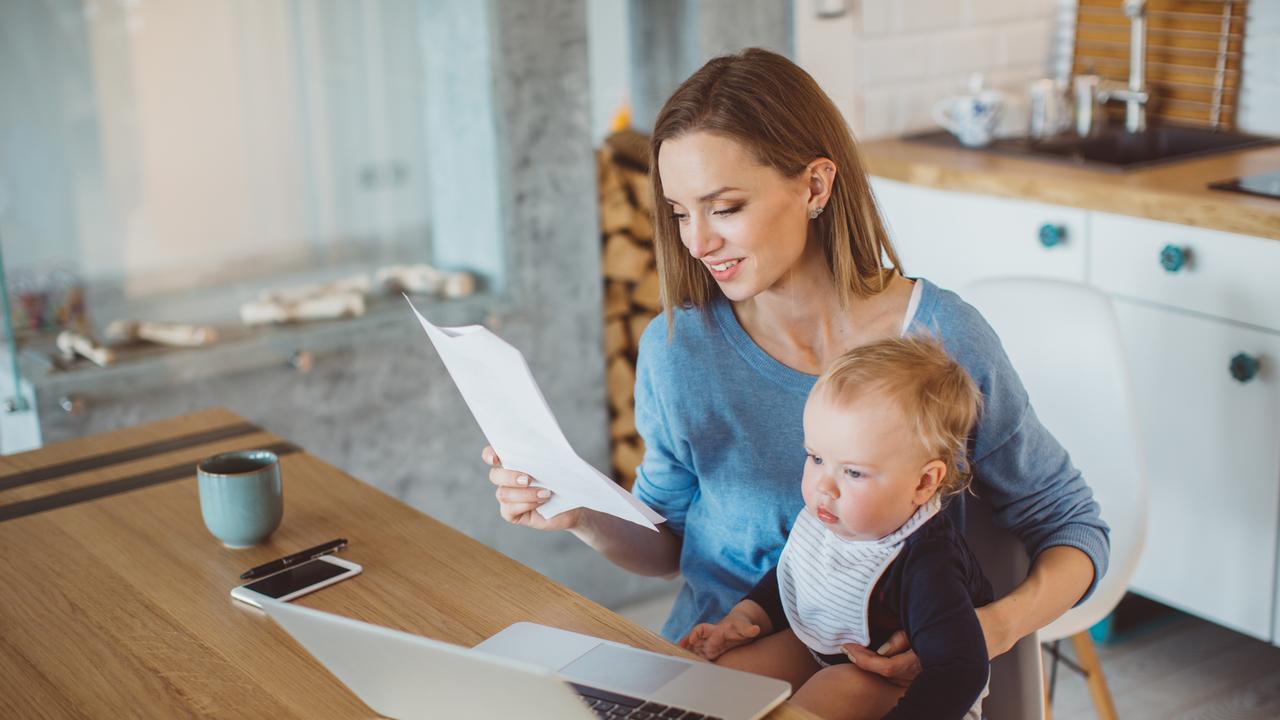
[[973, 117]]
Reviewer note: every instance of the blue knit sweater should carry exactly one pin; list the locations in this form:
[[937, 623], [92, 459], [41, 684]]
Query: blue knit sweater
[[724, 450]]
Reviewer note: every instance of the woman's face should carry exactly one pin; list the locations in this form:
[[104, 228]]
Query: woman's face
[[744, 221]]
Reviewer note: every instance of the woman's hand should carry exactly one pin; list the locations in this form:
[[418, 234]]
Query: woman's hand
[[712, 641], [518, 502], [895, 661]]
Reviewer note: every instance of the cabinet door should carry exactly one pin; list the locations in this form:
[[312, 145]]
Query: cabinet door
[[1211, 443], [1216, 273], [955, 238]]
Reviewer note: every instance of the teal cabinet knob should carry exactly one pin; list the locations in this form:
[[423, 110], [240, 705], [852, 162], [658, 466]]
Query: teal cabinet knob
[[1052, 235], [1245, 367], [1174, 258]]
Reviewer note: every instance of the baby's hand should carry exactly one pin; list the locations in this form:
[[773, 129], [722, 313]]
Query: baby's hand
[[712, 641]]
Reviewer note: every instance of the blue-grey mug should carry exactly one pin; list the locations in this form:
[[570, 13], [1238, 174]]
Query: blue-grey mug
[[241, 496]]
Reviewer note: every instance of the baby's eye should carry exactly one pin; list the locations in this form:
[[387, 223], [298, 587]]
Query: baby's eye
[[816, 460], [851, 473]]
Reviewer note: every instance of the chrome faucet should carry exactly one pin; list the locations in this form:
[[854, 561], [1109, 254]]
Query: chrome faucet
[[1135, 95]]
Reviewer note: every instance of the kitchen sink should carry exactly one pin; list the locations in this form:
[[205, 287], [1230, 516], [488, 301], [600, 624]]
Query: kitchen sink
[[1114, 148]]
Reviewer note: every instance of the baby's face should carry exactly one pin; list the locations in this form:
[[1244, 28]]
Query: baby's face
[[864, 467]]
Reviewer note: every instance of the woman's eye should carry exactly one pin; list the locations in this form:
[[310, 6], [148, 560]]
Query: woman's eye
[[851, 473], [679, 217], [727, 211]]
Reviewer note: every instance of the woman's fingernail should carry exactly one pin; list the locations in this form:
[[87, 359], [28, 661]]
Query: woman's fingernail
[[544, 494], [522, 480]]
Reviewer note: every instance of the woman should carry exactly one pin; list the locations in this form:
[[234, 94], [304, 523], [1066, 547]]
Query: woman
[[773, 262]]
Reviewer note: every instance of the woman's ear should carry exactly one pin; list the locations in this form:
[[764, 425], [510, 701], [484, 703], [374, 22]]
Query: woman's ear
[[821, 177], [931, 476]]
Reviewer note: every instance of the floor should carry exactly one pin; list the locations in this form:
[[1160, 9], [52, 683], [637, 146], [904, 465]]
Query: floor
[[1186, 669]]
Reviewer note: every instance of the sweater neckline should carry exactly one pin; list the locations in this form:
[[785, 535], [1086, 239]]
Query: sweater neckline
[[774, 369]]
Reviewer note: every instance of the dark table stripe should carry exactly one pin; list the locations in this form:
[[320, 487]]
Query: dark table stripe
[[116, 457], [115, 487]]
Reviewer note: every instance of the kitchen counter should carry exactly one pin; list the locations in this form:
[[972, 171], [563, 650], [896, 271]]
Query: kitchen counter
[[1175, 192]]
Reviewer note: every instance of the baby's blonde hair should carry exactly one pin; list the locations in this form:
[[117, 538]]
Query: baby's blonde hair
[[931, 391]]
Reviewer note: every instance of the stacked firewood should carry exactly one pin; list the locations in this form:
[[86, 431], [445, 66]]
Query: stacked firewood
[[631, 296]]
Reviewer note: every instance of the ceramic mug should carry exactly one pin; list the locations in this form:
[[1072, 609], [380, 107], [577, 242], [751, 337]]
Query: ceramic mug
[[241, 496], [971, 118]]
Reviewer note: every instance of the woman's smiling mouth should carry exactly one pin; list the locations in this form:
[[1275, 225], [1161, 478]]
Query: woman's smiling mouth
[[724, 270]]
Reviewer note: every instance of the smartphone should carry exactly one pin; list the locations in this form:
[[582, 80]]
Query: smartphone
[[297, 580]]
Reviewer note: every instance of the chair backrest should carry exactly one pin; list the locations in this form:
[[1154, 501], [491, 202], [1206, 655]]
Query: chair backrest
[[1064, 340], [1017, 677]]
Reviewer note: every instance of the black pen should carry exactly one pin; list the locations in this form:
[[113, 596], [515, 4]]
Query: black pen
[[309, 554]]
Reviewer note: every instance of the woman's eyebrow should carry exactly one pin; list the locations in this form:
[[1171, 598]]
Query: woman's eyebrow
[[709, 196]]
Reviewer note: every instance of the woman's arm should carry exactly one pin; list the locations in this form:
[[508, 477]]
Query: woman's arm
[[663, 482], [1034, 491], [1057, 580], [630, 546]]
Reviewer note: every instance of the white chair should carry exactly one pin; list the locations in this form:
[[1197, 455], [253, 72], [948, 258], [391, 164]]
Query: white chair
[[1064, 340]]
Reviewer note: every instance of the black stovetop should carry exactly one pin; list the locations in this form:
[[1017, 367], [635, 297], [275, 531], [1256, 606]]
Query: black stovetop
[[1266, 185]]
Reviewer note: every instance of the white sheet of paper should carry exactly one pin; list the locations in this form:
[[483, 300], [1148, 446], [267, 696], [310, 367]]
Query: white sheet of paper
[[504, 398]]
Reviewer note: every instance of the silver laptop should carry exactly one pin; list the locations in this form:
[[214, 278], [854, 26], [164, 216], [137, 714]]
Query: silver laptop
[[525, 671]]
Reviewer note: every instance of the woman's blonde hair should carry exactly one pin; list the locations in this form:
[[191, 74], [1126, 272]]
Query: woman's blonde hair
[[933, 393], [777, 111]]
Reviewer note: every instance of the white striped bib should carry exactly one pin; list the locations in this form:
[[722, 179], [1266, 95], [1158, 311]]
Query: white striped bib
[[826, 581]]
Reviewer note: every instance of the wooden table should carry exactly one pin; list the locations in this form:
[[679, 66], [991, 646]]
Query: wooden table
[[114, 598]]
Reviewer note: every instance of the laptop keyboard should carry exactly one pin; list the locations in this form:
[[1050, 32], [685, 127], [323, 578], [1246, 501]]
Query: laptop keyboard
[[612, 705]]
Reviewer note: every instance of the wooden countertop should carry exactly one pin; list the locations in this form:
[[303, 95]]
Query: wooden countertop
[[1176, 192], [115, 600]]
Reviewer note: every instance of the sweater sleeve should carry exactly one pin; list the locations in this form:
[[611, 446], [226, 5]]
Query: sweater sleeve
[[944, 631], [1019, 468], [767, 595], [664, 481]]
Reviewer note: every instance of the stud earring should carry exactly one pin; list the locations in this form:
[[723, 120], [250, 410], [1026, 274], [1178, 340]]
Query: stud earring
[[814, 213]]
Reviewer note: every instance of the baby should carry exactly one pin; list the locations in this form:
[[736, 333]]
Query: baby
[[885, 432]]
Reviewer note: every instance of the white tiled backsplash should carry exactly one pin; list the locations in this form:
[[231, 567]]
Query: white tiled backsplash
[[886, 62]]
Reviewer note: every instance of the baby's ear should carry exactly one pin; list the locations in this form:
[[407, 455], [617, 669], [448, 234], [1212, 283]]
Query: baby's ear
[[931, 476]]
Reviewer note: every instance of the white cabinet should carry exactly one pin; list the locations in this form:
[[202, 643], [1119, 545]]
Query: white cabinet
[[1212, 458], [956, 238], [1193, 317], [1206, 271]]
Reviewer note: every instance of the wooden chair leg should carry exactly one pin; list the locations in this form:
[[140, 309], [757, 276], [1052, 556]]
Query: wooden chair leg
[[1048, 701], [1087, 657]]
